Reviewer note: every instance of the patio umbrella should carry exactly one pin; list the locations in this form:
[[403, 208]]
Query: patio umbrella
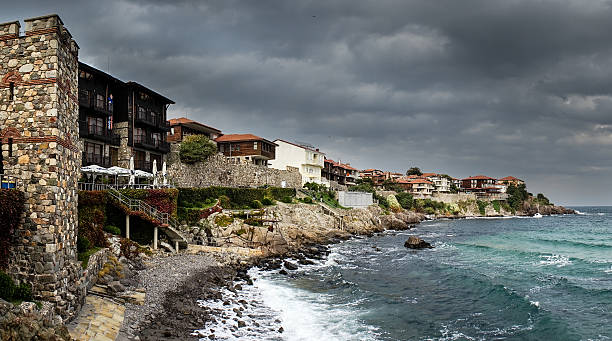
[[164, 173], [132, 178], [119, 171], [95, 170], [142, 174], [154, 173]]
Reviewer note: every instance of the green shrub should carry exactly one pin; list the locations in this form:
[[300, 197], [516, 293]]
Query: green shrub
[[7, 287], [112, 229], [287, 200], [240, 232], [253, 221], [223, 220], [24, 292], [430, 210], [307, 200], [482, 205], [267, 201], [225, 202], [196, 148], [238, 197], [83, 244], [405, 200], [256, 204], [496, 206]]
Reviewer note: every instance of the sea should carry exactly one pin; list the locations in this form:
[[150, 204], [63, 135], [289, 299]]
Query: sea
[[516, 278]]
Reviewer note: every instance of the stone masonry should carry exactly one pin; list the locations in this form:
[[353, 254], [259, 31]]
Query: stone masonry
[[39, 143], [217, 171]]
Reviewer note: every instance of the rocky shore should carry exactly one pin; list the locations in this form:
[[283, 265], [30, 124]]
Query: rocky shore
[[174, 284]]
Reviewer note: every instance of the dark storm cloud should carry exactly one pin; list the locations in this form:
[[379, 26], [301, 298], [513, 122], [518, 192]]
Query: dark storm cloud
[[463, 87]]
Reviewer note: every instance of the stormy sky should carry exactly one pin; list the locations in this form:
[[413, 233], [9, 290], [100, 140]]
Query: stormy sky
[[506, 87]]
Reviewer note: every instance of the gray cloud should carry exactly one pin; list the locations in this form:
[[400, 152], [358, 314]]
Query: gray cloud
[[506, 87]]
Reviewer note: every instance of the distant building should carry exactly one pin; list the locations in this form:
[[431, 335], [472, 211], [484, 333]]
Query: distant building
[[342, 173], [422, 187], [309, 160], [480, 185], [182, 127], [442, 184], [510, 180], [247, 148]]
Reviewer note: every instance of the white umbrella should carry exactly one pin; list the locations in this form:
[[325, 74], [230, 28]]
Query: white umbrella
[[119, 171], [132, 178], [142, 174], [154, 173], [95, 169], [164, 173]]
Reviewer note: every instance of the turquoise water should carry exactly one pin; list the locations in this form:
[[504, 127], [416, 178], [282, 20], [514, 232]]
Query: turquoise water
[[486, 279]]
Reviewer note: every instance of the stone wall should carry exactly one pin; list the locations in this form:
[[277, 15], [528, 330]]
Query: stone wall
[[39, 143], [217, 171], [453, 198]]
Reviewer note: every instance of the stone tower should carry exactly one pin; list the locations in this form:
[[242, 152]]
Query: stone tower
[[39, 143]]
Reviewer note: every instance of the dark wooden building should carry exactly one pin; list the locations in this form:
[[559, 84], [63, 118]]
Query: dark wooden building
[[101, 97], [182, 127], [246, 148], [118, 120], [339, 172]]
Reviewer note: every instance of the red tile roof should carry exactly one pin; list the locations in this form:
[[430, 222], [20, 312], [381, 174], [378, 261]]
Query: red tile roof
[[184, 120], [429, 174], [510, 178], [240, 138], [479, 177]]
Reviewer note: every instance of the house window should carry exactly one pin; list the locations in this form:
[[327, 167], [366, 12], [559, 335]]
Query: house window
[[142, 113], [140, 136], [143, 96], [255, 145], [10, 141], [99, 102], [156, 139], [95, 125], [12, 91], [235, 147], [84, 96], [85, 75], [154, 117]]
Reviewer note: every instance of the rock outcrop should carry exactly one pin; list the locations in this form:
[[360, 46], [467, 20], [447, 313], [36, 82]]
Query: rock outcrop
[[29, 322], [415, 242]]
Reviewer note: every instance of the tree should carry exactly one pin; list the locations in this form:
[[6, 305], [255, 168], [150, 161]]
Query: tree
[[414, 171], [516, 195], [196, 148]]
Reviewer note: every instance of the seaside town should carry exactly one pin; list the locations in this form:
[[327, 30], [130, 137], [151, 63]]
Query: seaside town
[[108, 204]]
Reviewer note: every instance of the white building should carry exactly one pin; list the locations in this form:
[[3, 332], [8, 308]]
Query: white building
[[442, 184], [307, 159]]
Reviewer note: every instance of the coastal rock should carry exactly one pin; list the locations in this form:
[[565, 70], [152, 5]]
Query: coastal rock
[[415, 242], [290, 266]]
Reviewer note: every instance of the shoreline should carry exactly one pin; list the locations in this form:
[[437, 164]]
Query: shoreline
[[175, 312]]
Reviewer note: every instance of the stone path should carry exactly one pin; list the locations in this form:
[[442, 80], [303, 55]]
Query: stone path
[[100, 319]]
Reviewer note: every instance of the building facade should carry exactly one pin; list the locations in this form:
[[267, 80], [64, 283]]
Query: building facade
[[182, 127], [99, 93], [119, 120], [241, 148], [309, 160], [341, 173]]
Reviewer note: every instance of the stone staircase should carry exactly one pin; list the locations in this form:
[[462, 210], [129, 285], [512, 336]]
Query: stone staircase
[[165, 221]]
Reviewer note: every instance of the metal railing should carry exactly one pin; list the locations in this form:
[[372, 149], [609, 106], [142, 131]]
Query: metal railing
[[89, 186]]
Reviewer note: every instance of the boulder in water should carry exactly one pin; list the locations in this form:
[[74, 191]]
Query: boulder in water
[[415, 242]]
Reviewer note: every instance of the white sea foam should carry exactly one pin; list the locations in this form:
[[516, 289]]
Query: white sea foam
[[558, 260], [307, 316]]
